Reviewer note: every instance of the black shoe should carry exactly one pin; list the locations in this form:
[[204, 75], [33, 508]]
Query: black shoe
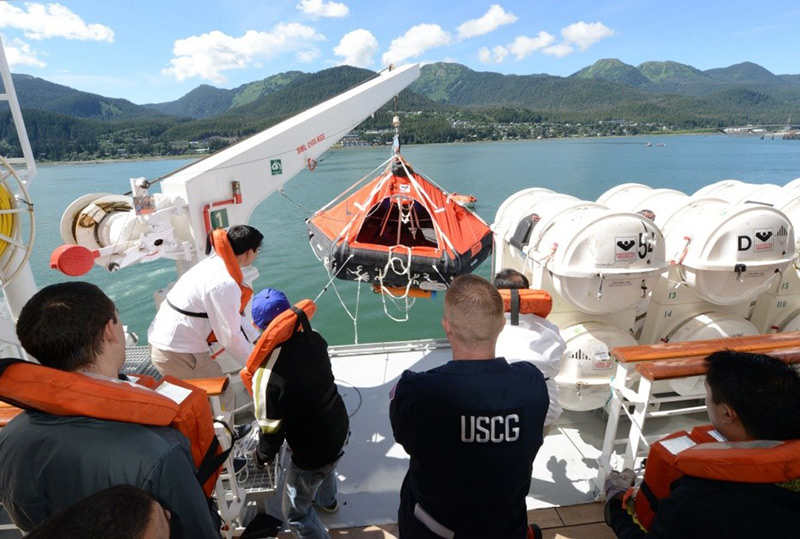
[[330, 509], [240, 431], [262, 463]]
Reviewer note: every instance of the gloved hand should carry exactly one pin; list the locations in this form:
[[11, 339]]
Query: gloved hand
[[618, 482]]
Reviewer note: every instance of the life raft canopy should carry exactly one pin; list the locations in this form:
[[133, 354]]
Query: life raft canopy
[[400, 232]]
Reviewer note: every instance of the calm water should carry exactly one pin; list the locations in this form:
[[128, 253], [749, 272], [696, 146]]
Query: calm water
[[490, 171]]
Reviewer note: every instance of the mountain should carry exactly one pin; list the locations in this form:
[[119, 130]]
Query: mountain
[[448, 102], [207, 101], [672, 73], [613, 70], [457, 85], [203, 102], [745, 73], [36, 93], [303, 91]]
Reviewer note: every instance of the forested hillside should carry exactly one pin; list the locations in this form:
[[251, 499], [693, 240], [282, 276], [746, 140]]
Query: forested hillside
[[448, 102]]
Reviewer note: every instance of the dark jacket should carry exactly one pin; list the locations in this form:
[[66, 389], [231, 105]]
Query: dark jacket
[[49, 462], [704, 508], [304, 405], [472, 429]]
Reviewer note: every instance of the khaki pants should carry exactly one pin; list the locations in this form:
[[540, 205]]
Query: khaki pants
[[186, 366]]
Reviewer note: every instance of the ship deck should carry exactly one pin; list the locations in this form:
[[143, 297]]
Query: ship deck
[[562, 499], [562, 493]]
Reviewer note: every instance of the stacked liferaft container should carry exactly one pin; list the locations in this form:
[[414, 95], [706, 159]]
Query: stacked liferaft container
[[725, 249], [597, 263]]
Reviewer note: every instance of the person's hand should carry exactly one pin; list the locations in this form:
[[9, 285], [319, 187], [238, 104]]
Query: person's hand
[[617, 483]]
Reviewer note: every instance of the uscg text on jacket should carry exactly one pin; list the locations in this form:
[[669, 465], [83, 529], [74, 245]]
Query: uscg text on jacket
[[485, 429]]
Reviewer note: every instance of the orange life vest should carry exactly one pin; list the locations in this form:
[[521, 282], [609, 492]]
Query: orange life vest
[[276, 333], [526, 301], [700, 453], [170, 402], [219, 240]]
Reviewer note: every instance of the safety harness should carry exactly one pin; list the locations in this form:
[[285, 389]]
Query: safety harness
[[704, 453], [169, 402], [526, 301]]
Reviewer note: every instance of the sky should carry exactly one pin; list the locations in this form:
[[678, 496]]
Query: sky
[[157, 51]]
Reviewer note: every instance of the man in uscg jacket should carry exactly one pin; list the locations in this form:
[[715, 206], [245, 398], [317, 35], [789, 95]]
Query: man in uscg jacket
[[750, 398], [49, 462], [472, 427]]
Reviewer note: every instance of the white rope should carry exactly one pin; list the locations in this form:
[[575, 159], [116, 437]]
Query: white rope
[[332, 277], [405, 270], [424, 194], [353, 317], [332, 281], [346, 191]]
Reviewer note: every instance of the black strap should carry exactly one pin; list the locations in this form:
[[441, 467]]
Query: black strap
[[211, 460], [186, 313], [6, 361], [650, 495], [514, 307]]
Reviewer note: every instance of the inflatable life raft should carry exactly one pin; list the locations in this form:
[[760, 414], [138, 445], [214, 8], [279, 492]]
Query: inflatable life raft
[[399, 231]]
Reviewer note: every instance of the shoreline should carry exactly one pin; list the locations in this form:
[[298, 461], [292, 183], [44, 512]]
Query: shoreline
[[188, 157]]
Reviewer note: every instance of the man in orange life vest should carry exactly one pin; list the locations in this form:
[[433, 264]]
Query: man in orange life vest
[[206, 299], [472, 427], [749, 397], [48, 462], [296, 399]]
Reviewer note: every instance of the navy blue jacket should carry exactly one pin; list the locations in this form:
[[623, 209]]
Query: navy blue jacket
[[703, 508], [472, 429]]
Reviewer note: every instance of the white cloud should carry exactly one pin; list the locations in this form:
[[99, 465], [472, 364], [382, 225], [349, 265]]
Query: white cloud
[[415, 42], [559, 51], [358, 48], [320, 8], [43, 21], [524, 46], [495, 56], [494, 18], [584, 35], [208, 55], [307, 56], [19, 53]]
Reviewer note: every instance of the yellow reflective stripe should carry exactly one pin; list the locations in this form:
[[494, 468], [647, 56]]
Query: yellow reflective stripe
[[260, 384]]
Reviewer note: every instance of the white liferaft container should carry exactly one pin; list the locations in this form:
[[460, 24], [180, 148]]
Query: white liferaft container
[[586, 368], [599, 260], [728, 253], [738, 192], [703, 326], [655, 204]]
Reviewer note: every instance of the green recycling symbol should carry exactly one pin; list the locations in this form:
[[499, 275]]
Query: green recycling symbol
[[275, 166]]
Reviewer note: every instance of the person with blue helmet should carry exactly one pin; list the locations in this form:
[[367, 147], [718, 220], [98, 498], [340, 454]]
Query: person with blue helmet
[[297, 400]]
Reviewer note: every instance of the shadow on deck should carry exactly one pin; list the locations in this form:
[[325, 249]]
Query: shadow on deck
[[584, 521]]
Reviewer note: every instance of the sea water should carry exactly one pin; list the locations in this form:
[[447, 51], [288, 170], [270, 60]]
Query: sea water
[[584, 168]]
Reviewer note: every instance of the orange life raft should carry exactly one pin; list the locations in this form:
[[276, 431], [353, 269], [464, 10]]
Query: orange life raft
[[399, 230]]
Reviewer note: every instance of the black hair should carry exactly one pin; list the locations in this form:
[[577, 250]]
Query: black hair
[[121, 511], [764, 392], [62, 324], [509, 278], [243, 238]]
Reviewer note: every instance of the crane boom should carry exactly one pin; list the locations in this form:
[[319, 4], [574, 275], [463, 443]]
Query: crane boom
[[223, 189], [266, 161]]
